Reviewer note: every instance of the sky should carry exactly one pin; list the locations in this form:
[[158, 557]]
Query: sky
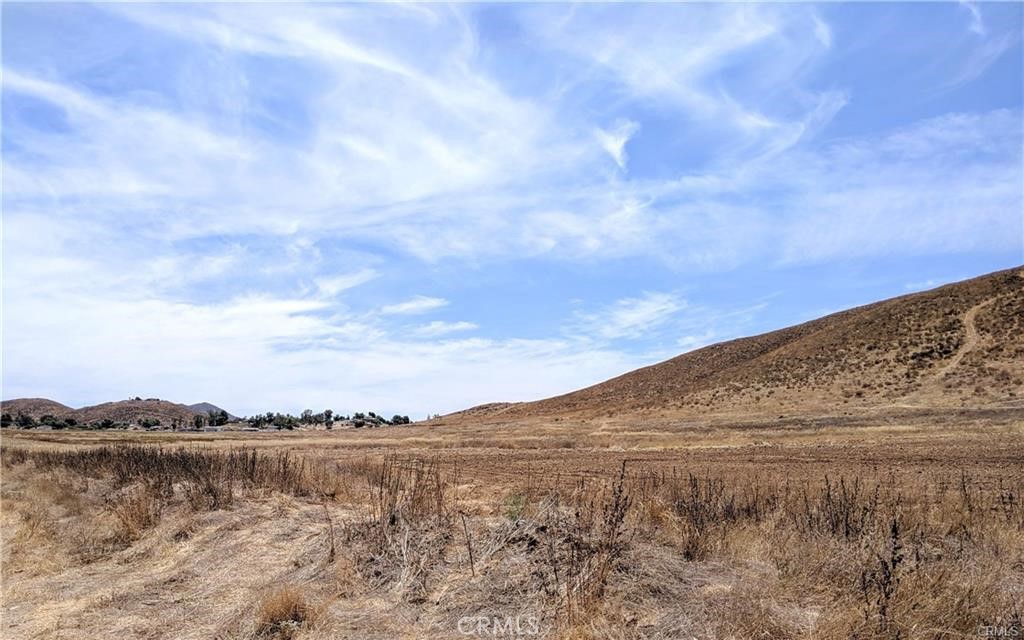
[[416, 208]]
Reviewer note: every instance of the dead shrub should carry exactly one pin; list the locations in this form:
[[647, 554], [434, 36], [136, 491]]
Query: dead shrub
[[135, 509], [283, 611], [409, 524], [206, 493], [584, 545]]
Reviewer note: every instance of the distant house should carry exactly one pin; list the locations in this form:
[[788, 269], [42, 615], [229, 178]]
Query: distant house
[[212, 428]]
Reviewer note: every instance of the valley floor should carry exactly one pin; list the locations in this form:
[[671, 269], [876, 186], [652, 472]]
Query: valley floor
[[904, 525]]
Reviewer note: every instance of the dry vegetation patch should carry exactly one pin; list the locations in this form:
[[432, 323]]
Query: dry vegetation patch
[[190, 542]]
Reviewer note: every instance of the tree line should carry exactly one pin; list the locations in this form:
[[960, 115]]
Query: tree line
[[270, 420], [326, 418]]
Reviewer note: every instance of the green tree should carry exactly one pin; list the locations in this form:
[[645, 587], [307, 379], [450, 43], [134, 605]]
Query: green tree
[[53, 422]]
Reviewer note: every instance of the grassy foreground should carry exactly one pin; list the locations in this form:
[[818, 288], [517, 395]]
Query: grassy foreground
[[909, 538]]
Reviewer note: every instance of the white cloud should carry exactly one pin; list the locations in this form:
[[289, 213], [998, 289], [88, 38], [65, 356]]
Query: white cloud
[[448, 164], [103, 156], [947, 184], [822, 32], [614, 140], [440, 328], [631, 317], [977, 25], [911, 192], [394, 124], [676, 60], [980, 58], [415, 305], [333, 285], [696, 341]]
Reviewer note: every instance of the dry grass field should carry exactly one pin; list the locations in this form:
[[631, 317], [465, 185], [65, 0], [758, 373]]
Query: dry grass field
[[902, 525]]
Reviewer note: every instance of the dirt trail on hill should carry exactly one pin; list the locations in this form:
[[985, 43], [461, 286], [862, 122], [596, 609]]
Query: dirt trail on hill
[[971, 338]]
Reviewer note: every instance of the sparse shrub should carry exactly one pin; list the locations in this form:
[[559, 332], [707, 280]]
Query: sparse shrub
[[136, 510], [283, 611], [515, 506], [585, 545], [10, 456], [409, 526], [208, 493], [879, 585]]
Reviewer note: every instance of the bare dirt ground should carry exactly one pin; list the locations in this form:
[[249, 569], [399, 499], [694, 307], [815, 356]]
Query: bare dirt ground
[[904, 524]]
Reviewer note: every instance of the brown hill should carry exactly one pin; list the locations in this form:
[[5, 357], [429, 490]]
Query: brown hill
[[954, 346], [121, 412], [131, 411], [36, 407]]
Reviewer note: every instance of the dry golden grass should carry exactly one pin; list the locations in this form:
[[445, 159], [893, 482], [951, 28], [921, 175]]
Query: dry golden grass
[[283, 611], [904, 530]]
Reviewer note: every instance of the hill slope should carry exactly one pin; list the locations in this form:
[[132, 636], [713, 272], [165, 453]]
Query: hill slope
[[959, 345]]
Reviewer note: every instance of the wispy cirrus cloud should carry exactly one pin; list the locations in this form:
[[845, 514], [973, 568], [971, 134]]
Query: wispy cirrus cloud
[[441, 328], [977, 25], [333, 285], [614, 140], [415, 305], [631, 317]]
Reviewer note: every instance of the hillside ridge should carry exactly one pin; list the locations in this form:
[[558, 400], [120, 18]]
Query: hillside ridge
[[958, 345]]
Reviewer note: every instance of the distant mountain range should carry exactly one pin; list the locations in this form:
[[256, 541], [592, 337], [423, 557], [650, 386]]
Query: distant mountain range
[[120, 412]]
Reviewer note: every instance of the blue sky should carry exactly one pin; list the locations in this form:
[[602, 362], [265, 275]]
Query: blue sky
[[416, 208]]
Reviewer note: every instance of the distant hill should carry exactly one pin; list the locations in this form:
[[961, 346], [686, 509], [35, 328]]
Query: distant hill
[[204, 408], [958, 345], [120, 412], [131, 411], [36, 407]]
